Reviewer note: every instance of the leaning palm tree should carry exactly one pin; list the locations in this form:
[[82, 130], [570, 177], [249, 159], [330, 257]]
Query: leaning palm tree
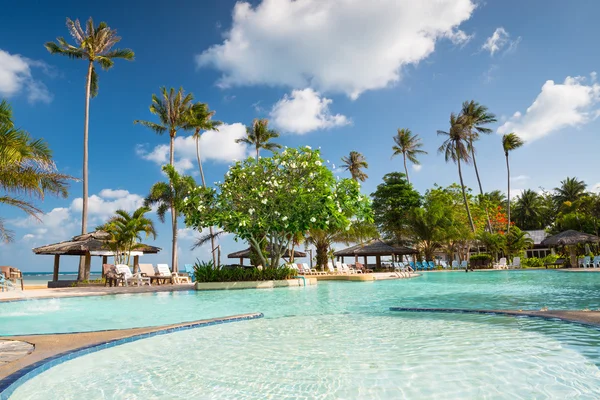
[[455, 148], [259, 136], [26, 169], [409, 146], [94, 45], [475, 117], [354, 163], [200, 120], [165, 195], [173, 111], [510, 142], [125, 230]]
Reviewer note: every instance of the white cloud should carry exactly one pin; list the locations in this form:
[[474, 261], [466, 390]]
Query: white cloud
[[219, 146], [570, 104], [332, 46], [514, 193], [499, 40], [519, 178], [16, 77], [417, 167], [596, 188], [304, 111], [105, 207]]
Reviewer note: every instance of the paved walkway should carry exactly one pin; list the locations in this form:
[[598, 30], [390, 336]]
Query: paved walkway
[[89, 291]]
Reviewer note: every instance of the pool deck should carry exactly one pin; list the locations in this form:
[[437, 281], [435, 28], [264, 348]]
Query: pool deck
[[30, 349], [14, 295]]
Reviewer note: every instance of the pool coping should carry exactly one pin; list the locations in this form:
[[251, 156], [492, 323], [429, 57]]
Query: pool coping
[[586, 318], [31, 365]]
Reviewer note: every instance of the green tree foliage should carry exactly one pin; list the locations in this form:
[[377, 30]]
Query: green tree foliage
[[273, 199], [409, 146], [125, 230], [528, 210], [570, 190], [170, 195], [260, 137], [355, 163], [515, 242], [27, 171], [393, 201]]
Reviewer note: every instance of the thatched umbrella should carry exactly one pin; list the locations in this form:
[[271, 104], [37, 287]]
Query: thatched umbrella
[[88, 245], [246, 254], [375, 248], [570, 239]]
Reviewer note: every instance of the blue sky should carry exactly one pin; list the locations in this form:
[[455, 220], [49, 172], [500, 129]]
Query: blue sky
[[331, 74]]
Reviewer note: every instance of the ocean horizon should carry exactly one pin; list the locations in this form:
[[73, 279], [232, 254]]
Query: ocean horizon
[[39, 278]]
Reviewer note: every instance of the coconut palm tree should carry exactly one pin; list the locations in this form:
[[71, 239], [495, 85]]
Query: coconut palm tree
[[354, 163], [259, 136], [476, 116], [125, 230], [166, 195], [94, 45], [173, 111], [570, 189], [26, 169], [200, 120], [510, 142], [409, 146], [528, 210], [455, 149]]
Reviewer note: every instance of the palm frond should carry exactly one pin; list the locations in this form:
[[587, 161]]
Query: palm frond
[[202, 240]]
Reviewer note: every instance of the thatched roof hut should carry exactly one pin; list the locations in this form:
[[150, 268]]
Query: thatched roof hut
[[246, 254], [570, 238], [375, 248], [88, 245]]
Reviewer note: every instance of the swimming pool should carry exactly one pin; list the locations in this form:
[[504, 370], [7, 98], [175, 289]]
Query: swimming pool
[[527, 290], [335, 340]]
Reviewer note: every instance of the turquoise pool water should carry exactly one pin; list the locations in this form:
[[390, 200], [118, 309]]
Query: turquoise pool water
[[337, 340], [341, 356], [498, 290]]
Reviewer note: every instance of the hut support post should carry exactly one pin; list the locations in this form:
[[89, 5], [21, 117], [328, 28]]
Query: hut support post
[[356, 260], [56, 266], [573, 254], [378, 261], [104, 261], [242, 261], [136, 264], [365, 257], [88, 262]]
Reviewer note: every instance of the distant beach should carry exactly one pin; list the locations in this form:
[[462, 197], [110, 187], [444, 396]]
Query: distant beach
[[42, 278]]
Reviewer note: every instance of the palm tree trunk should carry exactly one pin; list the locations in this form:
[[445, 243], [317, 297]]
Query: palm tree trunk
[[462, 186], [173, 212], [257, 150], [487, 215], [83, 273], [508, 197], [210, 229], [406, 169]]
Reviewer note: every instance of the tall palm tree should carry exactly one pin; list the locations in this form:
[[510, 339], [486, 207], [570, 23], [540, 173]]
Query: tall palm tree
[[409, 146], [476, 116], [94, 45], [200, 120], [354, 163], [510, 142], [125, 230], [528, 210], [26, 169], [259, 136], [570, 189], [167, 195], [455, 149], [173, 111]]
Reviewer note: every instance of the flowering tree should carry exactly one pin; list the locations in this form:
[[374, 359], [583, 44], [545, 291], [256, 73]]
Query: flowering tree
[[270, 200]]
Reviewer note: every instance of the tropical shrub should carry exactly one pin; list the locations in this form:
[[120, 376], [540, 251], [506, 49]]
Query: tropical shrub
[[532, 262], [482, 260], [207, 272], [271, 200]]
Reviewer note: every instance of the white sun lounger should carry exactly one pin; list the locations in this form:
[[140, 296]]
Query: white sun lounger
[[501, 264], [164, 271], [516, 262], [128, 277], [330, 269]]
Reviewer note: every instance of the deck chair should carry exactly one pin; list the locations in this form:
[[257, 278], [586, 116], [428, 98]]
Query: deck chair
[[189, 268], [586, 262], [313, 271], [351, 270], [111, 276], [164, 272], [455, 264], [148, 271], [431, 265], [330, 269], [464, 264], [443, 264], [6, 284], [501, 264], [361, 267], [516, 262], [596, 262], [128, 277], [340, 269]]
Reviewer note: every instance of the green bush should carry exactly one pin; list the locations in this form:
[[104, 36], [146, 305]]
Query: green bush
[[207, 272], [550, 258], [532, 262], [481, 257]]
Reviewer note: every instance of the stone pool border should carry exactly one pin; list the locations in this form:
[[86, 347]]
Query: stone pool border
[[586, 318], [10, 383], [297, 282]]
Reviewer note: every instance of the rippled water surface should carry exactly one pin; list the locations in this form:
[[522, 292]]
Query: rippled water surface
[[341, 356], [495, 290]]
